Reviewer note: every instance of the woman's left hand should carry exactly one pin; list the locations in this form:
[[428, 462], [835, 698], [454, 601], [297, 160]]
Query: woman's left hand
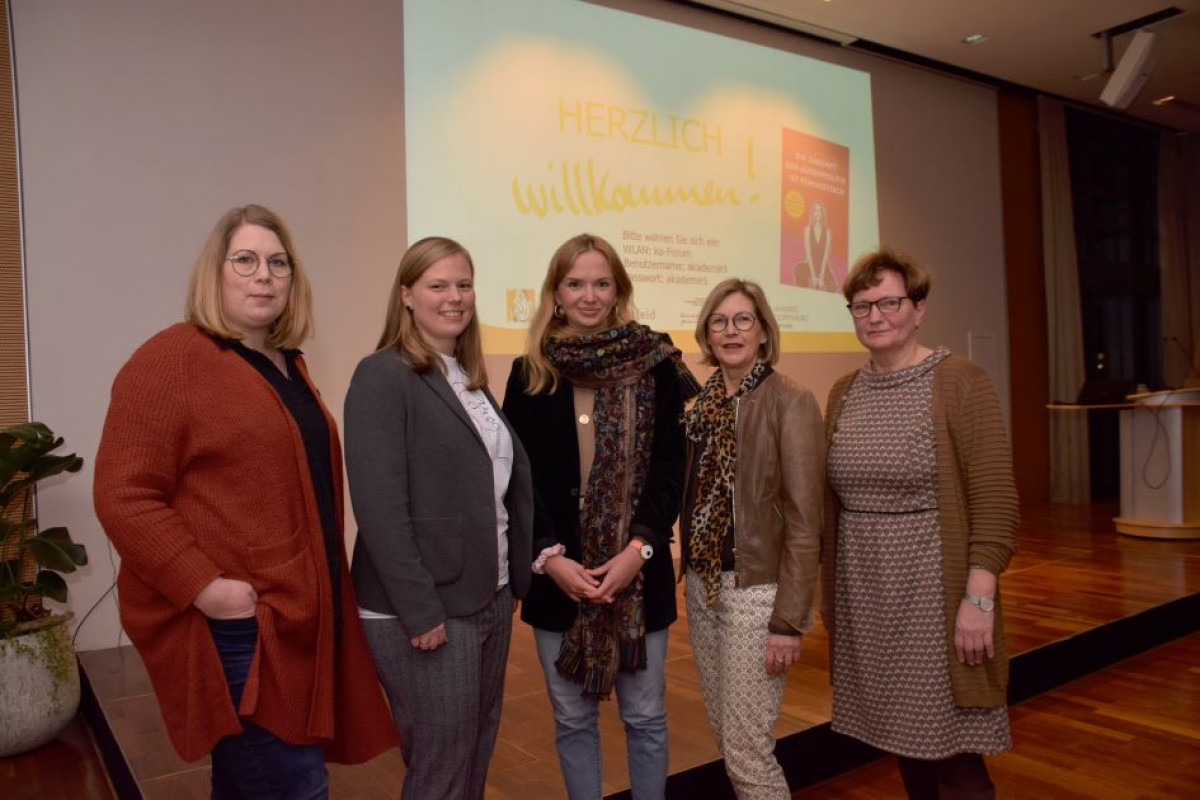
[[431, 639], [782, 652], [973, 634], [614, 575]]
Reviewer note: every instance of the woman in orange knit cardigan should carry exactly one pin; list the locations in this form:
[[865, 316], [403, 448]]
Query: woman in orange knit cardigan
[[918, 528], [219, 481]]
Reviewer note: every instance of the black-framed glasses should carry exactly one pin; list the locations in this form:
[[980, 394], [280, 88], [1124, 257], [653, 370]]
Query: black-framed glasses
[[743, 322], [886, 305], [245, 263]]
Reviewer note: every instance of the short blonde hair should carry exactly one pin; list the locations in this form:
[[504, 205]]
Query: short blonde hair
[[540, 375], [400, 330], [769, 350], [869, 268], [205, 308]]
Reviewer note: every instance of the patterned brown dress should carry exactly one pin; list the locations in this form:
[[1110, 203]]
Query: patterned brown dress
[[891, 680]]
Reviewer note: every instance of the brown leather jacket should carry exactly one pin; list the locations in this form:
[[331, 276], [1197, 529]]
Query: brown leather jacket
[[778, 498]]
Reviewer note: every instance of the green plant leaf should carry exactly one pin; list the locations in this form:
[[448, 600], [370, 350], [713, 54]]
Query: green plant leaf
[[52, 585], [24, 449], [49, 465], [25, 459], [54, 549], [21, 445]]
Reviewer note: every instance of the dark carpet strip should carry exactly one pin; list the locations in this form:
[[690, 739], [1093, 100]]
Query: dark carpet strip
[[123, 784], [818, 754]]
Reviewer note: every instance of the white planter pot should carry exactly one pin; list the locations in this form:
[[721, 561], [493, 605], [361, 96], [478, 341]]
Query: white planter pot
[[39, 686]]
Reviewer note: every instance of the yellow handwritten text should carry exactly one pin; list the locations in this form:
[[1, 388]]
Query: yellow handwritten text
[[638, 126], [577, 188]]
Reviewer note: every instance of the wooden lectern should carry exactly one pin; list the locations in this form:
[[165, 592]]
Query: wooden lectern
[[1160, 465]]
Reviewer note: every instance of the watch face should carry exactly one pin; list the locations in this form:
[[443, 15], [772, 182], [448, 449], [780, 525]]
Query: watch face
[[986, 603], [647, 551]]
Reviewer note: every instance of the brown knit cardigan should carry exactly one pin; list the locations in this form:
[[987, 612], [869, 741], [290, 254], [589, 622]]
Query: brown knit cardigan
[[977, 500], [202, 472]]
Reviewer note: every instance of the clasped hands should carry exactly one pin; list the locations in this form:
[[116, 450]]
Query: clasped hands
[[601, 584]]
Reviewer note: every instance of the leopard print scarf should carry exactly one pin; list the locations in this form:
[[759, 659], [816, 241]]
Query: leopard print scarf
[[713, 422]]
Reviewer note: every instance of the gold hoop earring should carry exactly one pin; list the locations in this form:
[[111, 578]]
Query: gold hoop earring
[[558, 311]]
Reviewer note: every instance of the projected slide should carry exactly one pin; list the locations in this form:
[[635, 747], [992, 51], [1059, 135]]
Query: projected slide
[[698, 156]]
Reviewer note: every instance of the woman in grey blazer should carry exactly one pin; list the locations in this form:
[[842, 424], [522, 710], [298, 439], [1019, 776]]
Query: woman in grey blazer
[[443, 499]]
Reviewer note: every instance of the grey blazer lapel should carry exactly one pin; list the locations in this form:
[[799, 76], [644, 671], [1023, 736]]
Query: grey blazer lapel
[[441, 387]]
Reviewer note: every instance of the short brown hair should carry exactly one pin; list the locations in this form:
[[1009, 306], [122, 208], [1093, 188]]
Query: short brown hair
[[204, 306], [769, 350], [540, 375], [868, 271], [401, 331]]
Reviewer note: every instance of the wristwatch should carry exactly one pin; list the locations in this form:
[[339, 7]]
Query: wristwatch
[[985, 604], [645, 550]]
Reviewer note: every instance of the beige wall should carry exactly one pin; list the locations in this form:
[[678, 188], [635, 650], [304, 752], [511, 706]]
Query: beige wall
[[141, 121]]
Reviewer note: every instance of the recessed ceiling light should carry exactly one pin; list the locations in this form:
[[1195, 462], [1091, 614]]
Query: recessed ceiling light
[[975, 38], [1162, 101]]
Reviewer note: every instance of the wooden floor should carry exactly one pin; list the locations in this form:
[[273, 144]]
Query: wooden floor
[[1072, 573], [1129, 732], [68, 767]]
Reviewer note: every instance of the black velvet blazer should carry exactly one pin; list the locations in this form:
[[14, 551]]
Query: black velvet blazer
[[545, 424]]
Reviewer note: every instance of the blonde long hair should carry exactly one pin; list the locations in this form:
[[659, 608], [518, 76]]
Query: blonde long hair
[[205, 308], [400, 331], [539, 374]]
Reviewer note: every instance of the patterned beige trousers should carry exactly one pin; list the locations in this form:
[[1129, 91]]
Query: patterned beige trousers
[[729, 643]]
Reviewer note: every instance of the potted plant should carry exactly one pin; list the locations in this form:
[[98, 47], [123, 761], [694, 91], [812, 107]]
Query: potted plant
[[39, 679]]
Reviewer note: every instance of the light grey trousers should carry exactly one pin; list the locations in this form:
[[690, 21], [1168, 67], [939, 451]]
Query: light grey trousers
[[729, 643], [447, 701]]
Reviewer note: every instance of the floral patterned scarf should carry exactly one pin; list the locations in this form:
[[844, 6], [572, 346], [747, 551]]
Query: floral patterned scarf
[[618, 364]]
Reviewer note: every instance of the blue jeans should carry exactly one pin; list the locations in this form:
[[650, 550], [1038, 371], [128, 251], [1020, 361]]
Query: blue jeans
[[255, 763], [641, 701]]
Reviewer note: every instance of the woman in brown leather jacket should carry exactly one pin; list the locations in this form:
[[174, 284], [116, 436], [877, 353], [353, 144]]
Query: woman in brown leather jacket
[[753, 506]]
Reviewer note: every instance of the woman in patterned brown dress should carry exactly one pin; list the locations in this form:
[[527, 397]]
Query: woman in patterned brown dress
[[919, 525]]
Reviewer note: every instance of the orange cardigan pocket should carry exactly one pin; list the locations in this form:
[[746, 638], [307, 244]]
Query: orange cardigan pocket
[[265, 556]]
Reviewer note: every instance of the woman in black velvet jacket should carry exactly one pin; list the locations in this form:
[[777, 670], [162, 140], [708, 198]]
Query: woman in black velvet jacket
[[596, 402]]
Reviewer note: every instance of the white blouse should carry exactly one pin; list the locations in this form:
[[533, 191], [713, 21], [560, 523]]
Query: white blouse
[[499, 444]]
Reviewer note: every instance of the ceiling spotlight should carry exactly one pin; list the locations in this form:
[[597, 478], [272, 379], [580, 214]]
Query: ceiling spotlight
[[975, 38]]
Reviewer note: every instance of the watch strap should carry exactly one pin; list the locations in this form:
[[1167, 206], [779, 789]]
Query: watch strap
[[643, 548], [985, 604]]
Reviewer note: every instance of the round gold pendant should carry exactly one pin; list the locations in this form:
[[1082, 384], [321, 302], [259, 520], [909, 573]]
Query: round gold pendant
[[584, 419]]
